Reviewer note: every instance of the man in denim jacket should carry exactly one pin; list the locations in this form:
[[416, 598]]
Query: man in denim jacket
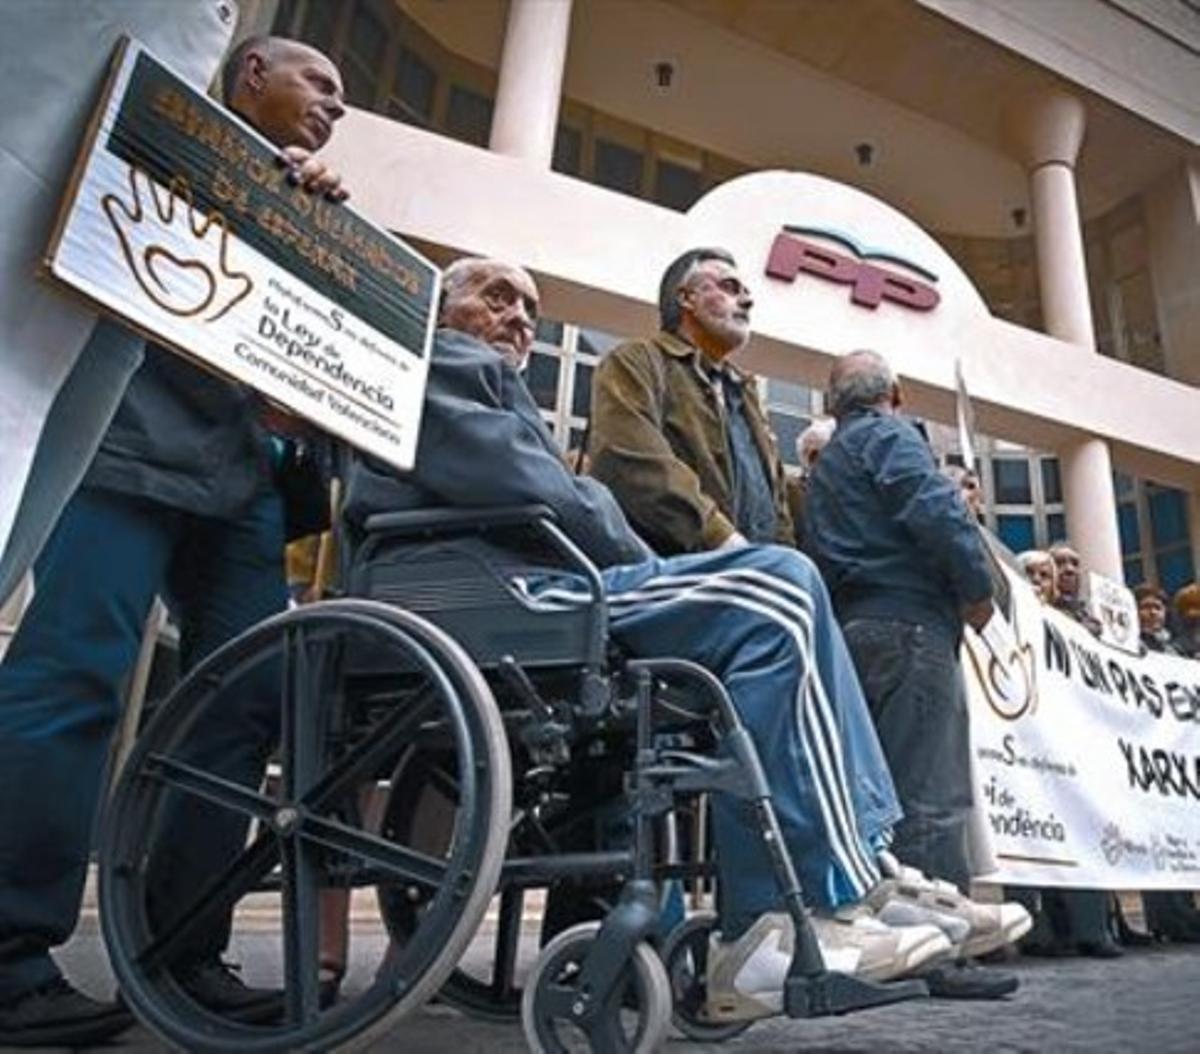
[[906, 567]]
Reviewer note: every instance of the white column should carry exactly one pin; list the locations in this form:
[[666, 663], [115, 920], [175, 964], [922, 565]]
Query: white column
[[1047, 132], [529, 91]]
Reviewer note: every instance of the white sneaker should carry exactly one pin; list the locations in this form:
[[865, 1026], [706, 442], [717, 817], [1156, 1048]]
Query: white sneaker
[[854, 941], [746, 976], [907, 897]]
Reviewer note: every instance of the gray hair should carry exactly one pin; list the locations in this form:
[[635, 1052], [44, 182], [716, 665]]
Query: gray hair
[[813, 439], [858, 379], [678, 273], [1033, 556], [465, 272]]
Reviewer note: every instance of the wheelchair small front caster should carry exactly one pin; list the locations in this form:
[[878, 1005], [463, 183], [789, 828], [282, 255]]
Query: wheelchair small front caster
[[685, 955], [558, 1015]]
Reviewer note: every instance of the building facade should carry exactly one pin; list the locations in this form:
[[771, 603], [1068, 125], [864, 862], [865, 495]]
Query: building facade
[[1045, 152]]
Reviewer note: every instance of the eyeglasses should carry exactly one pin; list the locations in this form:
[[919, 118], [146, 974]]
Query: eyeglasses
[[729, 285]]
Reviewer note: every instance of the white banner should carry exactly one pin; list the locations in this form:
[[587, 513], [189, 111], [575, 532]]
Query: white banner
[[1086, 757], [181, 221]]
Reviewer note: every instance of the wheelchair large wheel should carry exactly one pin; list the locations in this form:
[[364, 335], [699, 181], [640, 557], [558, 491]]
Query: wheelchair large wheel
[[685, 956], [634, 1019], [344, 688]]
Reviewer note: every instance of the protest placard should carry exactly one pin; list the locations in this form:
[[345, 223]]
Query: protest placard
[[181, 221]]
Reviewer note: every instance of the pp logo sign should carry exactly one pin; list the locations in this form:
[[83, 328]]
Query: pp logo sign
[[870, 283]]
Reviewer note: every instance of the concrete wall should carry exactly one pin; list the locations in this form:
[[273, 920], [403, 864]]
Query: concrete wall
[[1102, 47], [598, 256]]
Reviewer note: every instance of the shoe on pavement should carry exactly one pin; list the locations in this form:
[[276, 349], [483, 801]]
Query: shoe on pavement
[[966, 979], [57, 1015], [906, 897], [746, 976], [215, 985]]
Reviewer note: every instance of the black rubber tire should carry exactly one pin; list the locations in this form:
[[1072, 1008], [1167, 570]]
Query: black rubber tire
[[646, 994], [307, 827]]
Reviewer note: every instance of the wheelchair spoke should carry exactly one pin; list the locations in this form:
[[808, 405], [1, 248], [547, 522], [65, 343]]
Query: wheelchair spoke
[[217, 898], [301, 917], [382, 742], [399, 861], [301, 715], [179, 775]]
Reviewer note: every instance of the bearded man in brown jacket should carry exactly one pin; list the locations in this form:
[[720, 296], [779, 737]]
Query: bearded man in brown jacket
[[678, 432]]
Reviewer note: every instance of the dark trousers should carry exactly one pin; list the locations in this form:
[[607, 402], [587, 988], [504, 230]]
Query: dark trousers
[[59, 700], [1169, 908], [911, 678], [1064, 916]]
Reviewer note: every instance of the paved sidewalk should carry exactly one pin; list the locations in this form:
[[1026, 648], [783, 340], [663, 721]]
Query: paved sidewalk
[[1144, 1002]]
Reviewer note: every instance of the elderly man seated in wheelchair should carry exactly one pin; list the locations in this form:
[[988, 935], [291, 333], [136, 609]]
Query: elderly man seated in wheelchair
[[758, 618]]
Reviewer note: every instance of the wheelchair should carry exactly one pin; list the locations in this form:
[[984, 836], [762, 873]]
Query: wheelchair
[[498, 731]]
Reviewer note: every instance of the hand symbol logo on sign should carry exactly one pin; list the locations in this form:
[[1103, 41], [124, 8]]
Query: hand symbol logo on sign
[[178, 256], [1004, 665]]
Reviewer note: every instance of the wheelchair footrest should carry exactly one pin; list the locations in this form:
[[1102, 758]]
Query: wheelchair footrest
[[830, 994]]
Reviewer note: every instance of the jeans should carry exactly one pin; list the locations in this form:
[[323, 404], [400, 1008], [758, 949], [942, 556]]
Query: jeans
[[59, 701], [910, 675]]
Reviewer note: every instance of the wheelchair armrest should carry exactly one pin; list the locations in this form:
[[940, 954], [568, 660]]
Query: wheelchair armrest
[[455, 520]]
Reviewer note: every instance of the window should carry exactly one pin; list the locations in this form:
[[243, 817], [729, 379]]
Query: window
[[1175, 569], [360, 87], [548, 331], [787, 429], [469, 116], [1127, 527], [413, 89], [581, 397], [575, 442], [362, 59], [676, 186], [1056, 527], [1134, 573], [541, 376], [1168, 514], [319, 24], [1011, 477], [618, 167], [785, 394], [1016, 532], [1051, 481], [568, 150], [597, 342], [368, 39]]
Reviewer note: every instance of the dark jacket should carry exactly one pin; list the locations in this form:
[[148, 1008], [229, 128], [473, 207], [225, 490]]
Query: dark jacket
[[659, 439], [185, 438], [889, 532], [1161, 642], [483, 444]]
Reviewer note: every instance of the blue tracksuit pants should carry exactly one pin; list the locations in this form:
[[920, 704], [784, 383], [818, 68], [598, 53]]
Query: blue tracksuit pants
[[760, 619]]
